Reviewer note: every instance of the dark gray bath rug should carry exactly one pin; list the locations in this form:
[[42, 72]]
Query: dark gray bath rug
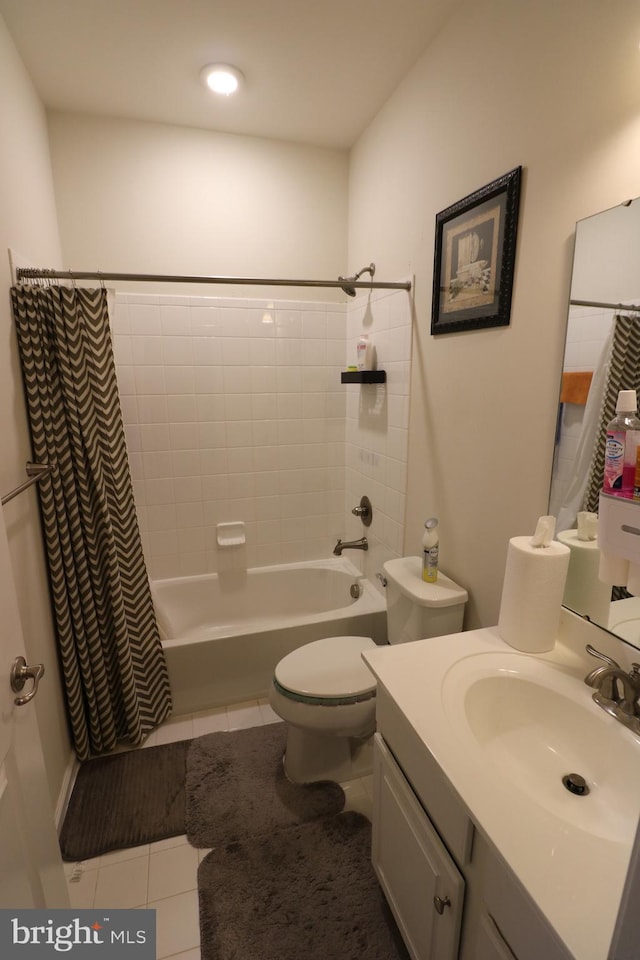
[[236, 788], [126, 799], [307, 891]]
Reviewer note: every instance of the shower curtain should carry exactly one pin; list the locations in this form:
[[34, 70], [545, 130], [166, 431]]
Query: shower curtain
[[112, 663]]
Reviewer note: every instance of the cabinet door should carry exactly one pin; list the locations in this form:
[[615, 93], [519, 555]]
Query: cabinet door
[[422, 884], [489, 943]]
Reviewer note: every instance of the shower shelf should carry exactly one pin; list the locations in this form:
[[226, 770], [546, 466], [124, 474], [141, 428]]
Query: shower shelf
[[363, 376]]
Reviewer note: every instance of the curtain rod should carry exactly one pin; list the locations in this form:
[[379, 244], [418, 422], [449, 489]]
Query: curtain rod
[[32, 273], [623, 307]]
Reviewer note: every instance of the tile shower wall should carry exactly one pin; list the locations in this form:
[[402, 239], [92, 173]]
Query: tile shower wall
[[377, 424], [234, 411]]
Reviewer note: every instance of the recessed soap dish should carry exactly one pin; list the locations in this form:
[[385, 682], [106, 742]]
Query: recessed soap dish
[[230, 534]]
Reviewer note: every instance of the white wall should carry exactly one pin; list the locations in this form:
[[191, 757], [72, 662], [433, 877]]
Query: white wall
[[150, 198], [27, 226], [554, 88]]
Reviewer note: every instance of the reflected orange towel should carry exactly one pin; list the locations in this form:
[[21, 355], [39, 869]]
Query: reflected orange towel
[[575, 387]]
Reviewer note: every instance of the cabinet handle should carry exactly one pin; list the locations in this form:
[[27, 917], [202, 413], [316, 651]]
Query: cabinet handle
[[440, 903]]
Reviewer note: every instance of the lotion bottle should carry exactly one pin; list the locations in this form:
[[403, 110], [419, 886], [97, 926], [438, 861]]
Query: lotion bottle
[[430, 550]]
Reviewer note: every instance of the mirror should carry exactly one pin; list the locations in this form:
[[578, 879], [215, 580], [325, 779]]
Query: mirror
[[605, 276]]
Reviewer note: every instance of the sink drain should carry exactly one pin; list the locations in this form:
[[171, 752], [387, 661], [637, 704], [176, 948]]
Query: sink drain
[[576, 784]]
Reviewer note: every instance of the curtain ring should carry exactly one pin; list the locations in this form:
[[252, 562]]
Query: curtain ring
[[99, 274], [72, 279]]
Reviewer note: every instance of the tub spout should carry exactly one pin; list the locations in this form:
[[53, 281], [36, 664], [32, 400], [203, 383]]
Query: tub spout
[[361, 544]]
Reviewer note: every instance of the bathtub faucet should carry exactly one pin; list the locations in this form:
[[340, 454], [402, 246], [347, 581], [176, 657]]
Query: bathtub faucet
[[361, 544]]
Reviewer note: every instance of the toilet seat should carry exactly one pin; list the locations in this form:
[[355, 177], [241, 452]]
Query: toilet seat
[[329, 671]]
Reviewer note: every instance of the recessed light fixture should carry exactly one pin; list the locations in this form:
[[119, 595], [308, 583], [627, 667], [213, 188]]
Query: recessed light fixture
[[222, 78]]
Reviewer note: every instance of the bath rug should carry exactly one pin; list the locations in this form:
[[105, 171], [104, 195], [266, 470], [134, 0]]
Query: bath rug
[[307, 891], [236, 787], [126, 799]]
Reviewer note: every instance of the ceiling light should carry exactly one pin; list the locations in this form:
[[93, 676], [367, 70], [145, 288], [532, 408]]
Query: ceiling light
[[222, 78]]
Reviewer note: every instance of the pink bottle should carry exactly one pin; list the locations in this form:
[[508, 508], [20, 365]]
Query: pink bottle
[[623, 438]]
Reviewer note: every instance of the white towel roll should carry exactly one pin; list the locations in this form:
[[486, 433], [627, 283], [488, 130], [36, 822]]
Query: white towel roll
[[532, 592], [584, 592]]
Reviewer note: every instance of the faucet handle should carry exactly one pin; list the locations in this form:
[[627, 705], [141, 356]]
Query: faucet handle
[[602, 656], [364, 511]]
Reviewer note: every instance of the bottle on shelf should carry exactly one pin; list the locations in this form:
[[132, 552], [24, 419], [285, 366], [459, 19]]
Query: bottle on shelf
[[623, 439], [365, 352]]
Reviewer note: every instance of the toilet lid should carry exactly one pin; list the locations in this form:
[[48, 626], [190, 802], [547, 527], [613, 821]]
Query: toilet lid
[[331, 667]]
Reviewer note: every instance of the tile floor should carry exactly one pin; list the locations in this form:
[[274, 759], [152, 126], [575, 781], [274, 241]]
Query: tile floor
[[163, 875]]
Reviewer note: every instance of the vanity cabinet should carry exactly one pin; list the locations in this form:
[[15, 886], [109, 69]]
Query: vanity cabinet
[[422, 884], [451, 893]]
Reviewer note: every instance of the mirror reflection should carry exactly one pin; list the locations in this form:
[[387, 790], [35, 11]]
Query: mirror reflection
[[602, 356]]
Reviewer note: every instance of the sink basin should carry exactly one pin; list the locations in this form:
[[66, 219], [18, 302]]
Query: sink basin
[[535, 723]]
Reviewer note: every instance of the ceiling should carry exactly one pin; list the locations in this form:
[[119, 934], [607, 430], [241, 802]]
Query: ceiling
[[315, 72]]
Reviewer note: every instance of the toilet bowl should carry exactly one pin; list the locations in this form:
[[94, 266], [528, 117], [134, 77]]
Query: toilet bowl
[[326, 695], [325, 692]]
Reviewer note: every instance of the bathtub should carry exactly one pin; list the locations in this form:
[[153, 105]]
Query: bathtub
[[223, 634]]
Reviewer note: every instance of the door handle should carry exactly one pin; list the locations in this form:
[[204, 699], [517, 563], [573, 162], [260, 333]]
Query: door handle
[[440, 903], [20, 673]]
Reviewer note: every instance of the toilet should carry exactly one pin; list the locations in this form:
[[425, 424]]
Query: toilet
[[326, 694]]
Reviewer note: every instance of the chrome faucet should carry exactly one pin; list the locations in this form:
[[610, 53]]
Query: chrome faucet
[[361, 544], [607, 679]]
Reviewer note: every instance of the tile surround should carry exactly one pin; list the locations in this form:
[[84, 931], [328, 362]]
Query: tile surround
[[234, 410]]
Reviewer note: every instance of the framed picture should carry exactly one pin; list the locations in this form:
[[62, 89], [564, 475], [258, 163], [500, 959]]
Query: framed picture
[[474, 258]]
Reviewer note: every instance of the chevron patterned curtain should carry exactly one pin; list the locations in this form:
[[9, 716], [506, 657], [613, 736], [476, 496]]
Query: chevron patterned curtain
[[115, 676], [624, 374]]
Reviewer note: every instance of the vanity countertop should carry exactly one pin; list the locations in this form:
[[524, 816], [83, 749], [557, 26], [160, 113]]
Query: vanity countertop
[[575, 875]]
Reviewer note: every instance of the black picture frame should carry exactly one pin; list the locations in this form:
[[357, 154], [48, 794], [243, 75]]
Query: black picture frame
[[474, 259]]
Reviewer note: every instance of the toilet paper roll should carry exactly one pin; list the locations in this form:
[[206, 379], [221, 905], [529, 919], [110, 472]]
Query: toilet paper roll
[[584, 592], [534, 583], [613, 570]]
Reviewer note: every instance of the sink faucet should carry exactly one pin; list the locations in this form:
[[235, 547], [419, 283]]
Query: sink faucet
[[606, 680], [361, 544]]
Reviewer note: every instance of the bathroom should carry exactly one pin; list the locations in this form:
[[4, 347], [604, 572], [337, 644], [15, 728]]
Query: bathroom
[[561, 96]]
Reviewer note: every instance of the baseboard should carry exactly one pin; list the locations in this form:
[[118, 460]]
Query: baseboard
[[68, 780]]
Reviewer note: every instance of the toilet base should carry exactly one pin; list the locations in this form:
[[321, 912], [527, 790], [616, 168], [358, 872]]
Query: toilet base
[[310, 757]]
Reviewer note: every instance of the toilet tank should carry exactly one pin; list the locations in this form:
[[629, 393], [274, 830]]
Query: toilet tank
[[416, 609]]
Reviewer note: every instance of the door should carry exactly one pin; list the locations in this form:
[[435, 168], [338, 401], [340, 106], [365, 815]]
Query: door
[[31, 872]]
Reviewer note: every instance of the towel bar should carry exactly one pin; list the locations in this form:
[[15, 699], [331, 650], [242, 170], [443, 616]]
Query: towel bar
[[35, 472]]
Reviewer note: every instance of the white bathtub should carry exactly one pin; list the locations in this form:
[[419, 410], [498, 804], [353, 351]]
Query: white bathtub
[[223, 634]]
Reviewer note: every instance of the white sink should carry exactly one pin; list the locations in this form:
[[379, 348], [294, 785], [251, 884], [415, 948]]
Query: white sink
[[536, 723]]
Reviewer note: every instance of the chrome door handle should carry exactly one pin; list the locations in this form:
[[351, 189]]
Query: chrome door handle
[[20, 673]]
